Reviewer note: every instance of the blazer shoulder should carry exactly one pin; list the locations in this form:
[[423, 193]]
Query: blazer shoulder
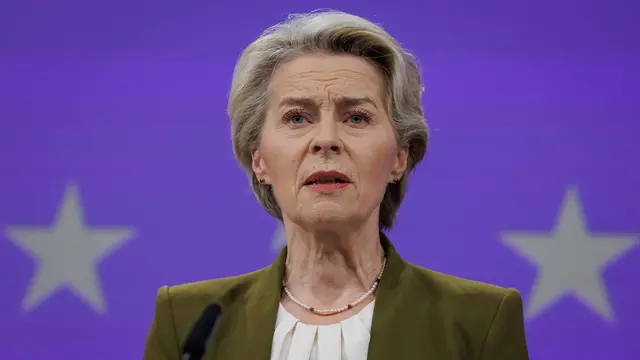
[[211, 290], [490, 316], [465, 301], [178, 307], [453, 287]]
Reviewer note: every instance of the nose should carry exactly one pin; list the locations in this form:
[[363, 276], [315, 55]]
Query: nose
[[326, 139]]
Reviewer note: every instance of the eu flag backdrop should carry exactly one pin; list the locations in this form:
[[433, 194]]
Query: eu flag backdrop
[[117, 175]]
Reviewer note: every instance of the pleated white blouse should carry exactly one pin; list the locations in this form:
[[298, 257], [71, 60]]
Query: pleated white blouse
[[346, 340]]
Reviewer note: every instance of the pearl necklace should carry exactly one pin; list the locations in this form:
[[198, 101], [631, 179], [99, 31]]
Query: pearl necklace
[[327, 312]]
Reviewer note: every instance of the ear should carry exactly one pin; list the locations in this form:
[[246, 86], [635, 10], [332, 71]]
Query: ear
[[399, 166], [258, 167]]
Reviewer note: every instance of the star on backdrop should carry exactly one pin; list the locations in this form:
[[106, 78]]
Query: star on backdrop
[[278, 240], [67, 253], [570, 260]]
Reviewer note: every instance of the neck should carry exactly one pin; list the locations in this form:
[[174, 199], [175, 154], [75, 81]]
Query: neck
[[332, 268]]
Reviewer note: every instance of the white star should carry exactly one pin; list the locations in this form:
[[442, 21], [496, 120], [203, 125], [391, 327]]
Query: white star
[[278, 240], [570, 260], [67, 253]]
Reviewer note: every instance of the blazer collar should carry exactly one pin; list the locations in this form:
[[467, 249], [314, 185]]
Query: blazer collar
[[401, 303]]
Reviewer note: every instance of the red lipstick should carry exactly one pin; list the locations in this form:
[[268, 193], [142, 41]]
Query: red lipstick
[[327, 181]]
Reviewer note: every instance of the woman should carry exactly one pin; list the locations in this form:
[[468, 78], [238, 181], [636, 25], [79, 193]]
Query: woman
[[327, 120]]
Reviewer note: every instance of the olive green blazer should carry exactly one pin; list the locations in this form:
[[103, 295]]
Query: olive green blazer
[[419, 314]]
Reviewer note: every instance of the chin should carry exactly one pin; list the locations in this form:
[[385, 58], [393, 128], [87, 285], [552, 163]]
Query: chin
[[327, 215]]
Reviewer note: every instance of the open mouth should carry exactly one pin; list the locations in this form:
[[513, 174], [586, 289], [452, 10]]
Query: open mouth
[[327, 177]]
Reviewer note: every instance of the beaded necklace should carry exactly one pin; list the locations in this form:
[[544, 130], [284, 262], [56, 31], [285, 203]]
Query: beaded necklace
[[326, 312]]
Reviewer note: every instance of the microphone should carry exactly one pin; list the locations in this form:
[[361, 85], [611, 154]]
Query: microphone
[[196, 343]]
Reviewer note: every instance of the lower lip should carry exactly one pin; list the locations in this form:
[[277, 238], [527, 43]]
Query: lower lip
[[327, 187]]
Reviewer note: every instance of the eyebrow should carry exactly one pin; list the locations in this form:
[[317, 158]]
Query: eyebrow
[[342, 101]]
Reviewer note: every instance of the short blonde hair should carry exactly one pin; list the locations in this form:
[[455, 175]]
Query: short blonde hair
[[331, 32]]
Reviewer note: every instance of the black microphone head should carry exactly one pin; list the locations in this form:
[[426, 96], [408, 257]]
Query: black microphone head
[[196, 343]]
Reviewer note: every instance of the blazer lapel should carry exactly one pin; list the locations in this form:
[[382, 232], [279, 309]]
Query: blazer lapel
[[262, 303], [405, 323], [249, 316]]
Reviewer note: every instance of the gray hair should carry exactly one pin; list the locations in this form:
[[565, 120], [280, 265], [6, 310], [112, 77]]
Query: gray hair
[[330, 32]]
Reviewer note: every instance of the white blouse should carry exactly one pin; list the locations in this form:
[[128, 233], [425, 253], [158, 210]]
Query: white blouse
[[346, 340]]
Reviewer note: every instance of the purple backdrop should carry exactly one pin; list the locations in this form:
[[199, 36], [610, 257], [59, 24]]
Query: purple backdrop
[[117, 175]]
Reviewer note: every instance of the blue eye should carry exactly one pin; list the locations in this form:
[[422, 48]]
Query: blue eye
[[297, 119], [357, 119]]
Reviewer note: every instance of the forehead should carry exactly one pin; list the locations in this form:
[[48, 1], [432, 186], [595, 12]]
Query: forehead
[[327, 76]]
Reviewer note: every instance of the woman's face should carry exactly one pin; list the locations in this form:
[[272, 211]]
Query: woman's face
[[328, 148]]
